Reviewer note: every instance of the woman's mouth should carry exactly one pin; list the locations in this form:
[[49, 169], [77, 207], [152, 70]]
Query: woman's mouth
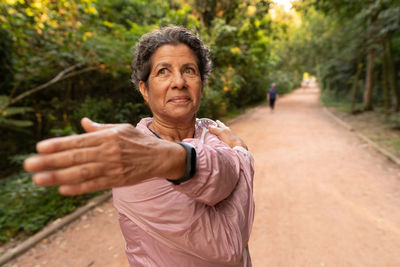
[[179, 99]]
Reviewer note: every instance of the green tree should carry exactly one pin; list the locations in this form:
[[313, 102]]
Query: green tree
[[372, 26]]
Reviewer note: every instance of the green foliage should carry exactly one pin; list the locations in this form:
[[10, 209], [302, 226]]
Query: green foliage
[[97, 109], [394, 121], [213, 105], [26, 208], [6, 75], [6, 113], [67, 130], [340, 35], [126, 12], [330, 99], [103, 110]]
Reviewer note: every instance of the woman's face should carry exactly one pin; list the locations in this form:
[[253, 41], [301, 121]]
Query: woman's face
[[174, 84]]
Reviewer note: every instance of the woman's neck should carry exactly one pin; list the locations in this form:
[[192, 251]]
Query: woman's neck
[[171, 131]]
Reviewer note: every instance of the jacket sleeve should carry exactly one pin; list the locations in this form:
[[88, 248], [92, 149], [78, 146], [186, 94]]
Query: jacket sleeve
[[217, 171], [224, 230], [228, 224], [216, 233]]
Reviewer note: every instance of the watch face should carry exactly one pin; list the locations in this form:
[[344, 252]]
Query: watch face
[[191, 162]]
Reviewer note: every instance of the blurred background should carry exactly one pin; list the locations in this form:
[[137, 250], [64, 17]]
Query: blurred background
[[62, 60]]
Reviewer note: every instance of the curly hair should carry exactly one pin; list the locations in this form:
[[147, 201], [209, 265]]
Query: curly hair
[[172, 35]]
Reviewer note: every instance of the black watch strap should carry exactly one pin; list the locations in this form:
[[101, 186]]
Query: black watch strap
[[191, 161]]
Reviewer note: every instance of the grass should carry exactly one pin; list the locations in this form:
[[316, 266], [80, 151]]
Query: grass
[[380, 127], [392, 143], [396, 144], [342, 104]]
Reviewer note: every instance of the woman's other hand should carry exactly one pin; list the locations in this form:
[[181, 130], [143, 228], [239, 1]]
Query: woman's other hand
[[108, 155], [226, 135]]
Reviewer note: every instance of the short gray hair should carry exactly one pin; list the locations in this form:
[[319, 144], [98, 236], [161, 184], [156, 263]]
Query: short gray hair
[[173, 35]]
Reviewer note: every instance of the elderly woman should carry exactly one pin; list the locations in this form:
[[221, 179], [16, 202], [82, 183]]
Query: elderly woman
[[182, 186]]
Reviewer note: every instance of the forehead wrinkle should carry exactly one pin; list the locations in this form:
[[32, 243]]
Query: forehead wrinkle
[[189, 64], [163, 64], [195, 61]]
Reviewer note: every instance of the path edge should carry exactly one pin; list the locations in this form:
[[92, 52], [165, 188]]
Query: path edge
[[52, 228], [373, 144]]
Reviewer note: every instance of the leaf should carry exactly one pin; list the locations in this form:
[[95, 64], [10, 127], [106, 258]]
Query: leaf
[[3, 100], [14, 123], [15, 111]]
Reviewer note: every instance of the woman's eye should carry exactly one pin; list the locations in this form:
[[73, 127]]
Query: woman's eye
[[189, 71], [162, 71]]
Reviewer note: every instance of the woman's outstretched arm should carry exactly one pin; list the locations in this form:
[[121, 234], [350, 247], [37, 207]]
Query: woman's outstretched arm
[[107, 156]]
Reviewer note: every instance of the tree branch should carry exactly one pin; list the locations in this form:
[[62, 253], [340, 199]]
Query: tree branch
[[65, 74]]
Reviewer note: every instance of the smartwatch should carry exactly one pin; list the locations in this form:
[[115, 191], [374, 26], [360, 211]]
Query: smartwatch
[[191, 161]]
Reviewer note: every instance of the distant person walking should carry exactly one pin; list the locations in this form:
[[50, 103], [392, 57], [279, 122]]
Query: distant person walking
[[272, 96]]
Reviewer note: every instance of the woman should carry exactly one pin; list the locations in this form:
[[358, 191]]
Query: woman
[[182, 186]]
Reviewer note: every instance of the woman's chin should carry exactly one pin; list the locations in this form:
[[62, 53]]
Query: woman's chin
[[181, 116]]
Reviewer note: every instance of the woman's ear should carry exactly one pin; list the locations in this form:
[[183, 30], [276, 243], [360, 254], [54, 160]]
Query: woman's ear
[[143, 91]]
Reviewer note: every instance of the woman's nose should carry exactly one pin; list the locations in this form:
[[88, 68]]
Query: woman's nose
[[178, 81]]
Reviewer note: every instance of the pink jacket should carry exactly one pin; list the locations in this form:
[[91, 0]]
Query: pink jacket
[[205, 221]]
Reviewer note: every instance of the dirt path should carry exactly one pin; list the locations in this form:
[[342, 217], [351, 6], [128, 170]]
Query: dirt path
[[93, 240], [323, 198]]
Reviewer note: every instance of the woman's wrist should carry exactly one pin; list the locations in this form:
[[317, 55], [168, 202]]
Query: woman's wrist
[[190, 163], [174, 162]]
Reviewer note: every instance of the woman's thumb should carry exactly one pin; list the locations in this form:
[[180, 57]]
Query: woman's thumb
[[91, 126]]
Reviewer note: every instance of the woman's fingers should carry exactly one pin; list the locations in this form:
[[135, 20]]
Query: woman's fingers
[[69, 175], [221, 124], [100, 183], [58, 144], [97, 134], [61, 159], [118, 154], [225, 134], [222, 129], [213, 130]]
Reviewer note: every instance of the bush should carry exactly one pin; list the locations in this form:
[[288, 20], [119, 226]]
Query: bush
[[98, 109], [212, 104], [25, 208]]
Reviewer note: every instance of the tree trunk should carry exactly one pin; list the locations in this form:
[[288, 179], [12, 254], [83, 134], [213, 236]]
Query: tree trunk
[[369, 83], [391, 74], [354, 89], [318, 72], [328, 85], [369, 79], [386, 97], [295, 77]]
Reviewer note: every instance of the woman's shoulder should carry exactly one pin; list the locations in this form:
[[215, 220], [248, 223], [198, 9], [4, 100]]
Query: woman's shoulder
[[201, 127], [205, 122], [142, 124]]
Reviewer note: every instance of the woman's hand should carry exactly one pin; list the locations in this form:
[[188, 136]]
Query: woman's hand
[[226, 135], [109, 155]]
